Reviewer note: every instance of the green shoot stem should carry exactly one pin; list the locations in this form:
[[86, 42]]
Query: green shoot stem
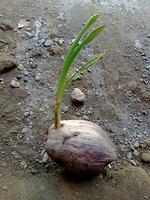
[[72, 53], [57, 114]]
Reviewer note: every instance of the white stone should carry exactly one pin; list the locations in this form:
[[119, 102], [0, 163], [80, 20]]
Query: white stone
[[77, 95], [14, 84], [48, 42]]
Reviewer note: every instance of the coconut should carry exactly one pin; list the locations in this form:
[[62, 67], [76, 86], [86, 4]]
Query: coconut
[[81, 146]]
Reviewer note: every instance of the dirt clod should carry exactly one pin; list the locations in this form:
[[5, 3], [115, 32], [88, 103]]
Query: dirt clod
[[7, 63], [132, 85], [6, 25], [146, 157], [55, 49]]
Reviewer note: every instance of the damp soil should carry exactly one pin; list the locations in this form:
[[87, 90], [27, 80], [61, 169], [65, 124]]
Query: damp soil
[[117, 96]]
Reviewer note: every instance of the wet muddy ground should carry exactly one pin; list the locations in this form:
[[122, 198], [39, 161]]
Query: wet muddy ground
[[117, 96]]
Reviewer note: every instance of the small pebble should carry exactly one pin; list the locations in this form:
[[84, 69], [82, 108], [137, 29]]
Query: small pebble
[[23, 164], [45, 158], [85, 117], [25, 79], [136, 144], [129, 155], [148, 67], [133, 162], [33, 65], [5, 188], [26, 73], [48, 42], [20, 67], [41, 41], [33, 171], [61, 41], [77, 96], [77, 114], [26, 114], [136, 153], [19, 76], [25, 130], [37, 78], [144, 112], [65, 108], [132, 85], [14, 84]]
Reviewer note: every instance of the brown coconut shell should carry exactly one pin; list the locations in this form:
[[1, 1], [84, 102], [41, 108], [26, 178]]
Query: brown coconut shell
[[81, 146]]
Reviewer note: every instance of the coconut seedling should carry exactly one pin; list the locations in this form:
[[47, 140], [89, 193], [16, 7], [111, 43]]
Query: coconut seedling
[[80, 145]]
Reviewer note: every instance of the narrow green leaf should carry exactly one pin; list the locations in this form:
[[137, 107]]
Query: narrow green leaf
[[93, 34], [86, 26], [87, 40], [69, 58], [81, 69]]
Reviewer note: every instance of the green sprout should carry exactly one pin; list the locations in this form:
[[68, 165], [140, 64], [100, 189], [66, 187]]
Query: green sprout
[[79, 43]]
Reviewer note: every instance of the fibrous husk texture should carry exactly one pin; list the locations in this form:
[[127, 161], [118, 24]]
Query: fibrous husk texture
[[81, 146]]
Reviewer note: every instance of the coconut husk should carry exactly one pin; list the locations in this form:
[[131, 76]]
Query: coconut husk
[[81, 146]]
